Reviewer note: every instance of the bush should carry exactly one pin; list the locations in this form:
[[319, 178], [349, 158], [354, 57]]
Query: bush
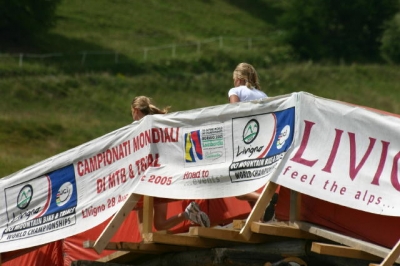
[[21, 19], [390, 47], [337, 29]]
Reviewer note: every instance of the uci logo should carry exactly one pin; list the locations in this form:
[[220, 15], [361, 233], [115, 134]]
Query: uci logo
[[64, 194], [250, 131], [24, 197]]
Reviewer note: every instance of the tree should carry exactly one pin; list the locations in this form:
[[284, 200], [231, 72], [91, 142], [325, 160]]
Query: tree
[[391, 40], [21, 19], [336, 29]]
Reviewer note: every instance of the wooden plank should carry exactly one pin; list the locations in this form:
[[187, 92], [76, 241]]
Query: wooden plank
[[345, 240], [229, 235], [295, 206], [258, 209], [186, 240], [115, 223], [342, 251], [148, 204], [139, 247], [114, 256], [238, 224], [392, 256], [281, 229]]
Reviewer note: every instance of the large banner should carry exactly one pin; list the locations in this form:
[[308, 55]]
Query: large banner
[[214, 152], [330, 150], [344, 154]]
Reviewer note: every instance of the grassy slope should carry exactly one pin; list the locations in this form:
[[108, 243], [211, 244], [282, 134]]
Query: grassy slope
[[129, 25], [46, 108]]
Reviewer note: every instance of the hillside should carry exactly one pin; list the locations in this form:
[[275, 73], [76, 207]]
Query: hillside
[[97, 62]]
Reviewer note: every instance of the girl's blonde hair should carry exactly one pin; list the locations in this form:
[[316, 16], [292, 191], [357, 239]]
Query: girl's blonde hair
[[145, 105], [248, 73]]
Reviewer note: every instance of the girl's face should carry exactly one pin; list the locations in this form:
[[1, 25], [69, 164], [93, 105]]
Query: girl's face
[[237, 81], [137, 114]]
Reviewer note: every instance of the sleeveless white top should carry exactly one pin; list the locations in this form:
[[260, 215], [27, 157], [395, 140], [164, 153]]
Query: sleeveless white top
[[245, 94]]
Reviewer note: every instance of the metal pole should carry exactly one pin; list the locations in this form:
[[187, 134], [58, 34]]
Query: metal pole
[[21, 59], [83, 58], [145, 53]]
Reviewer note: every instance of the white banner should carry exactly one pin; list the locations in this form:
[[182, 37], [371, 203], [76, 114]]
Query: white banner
[[214, 152], [344, 154], [331, 150]]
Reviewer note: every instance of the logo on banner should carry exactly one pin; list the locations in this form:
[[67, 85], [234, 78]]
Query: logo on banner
[[193, 149], [259, 144], [204, 146], [64, 194], [250, 131], [41, 205], [24, 196]]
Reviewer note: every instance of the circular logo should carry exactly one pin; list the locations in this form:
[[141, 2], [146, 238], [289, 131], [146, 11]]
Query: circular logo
[[24, 197], [283, 136], [64, 194], [250, 131]]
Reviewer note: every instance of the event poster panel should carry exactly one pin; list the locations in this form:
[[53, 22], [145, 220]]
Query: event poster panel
[[344, 154], [213, 152]]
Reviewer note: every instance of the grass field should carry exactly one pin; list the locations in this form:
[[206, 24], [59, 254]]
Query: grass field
[[50, 105]]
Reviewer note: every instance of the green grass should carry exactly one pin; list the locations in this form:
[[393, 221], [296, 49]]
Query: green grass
[[50, 105]]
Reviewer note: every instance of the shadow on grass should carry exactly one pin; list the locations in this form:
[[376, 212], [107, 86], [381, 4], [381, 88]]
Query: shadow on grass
[[68, 55], [267, 11], [53, 54]]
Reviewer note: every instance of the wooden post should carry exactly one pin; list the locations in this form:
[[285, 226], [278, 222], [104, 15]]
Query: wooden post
[[295, 206], [115, 223], [258, 209], [392, 256], [148, 203]]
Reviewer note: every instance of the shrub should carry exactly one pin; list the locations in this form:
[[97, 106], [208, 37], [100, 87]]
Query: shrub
[[390, 47], [21, 19], [337, 29]]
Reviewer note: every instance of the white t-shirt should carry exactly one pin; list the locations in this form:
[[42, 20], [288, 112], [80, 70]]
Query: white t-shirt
[[245, 94]]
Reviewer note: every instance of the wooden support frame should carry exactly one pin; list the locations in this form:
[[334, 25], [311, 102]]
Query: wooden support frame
[[393, 256], [281, 229], [115, 223], [143, 248], [148, 205], [295, 206], [229, 235], [252, 231], [185, 239], [258, 209], [342, 251], [346, 240]]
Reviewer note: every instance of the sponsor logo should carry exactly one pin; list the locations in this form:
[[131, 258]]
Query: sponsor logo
[[213, 155], [64, 194], [40, 205], [260, 142], [24, 196], [250, 131], [193, 149], [283, 136], [204, 146]]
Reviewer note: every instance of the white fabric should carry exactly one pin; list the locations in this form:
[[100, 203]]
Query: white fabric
[[245, 94], [330, 150]]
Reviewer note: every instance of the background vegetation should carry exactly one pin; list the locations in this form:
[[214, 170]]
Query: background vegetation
[[51, 104]]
